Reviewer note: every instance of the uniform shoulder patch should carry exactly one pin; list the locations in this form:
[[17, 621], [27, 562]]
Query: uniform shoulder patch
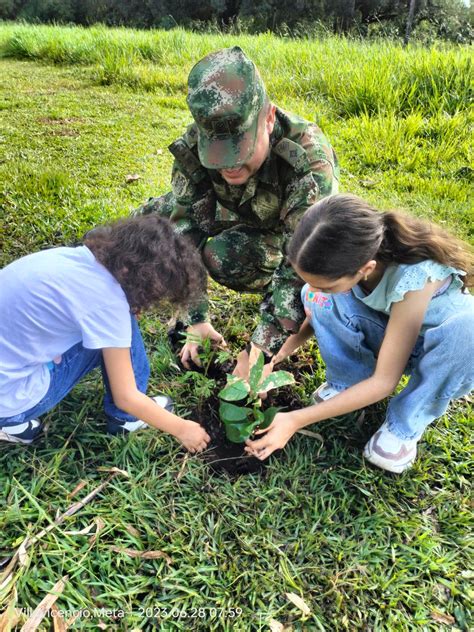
[[187, 159], [292, 153]]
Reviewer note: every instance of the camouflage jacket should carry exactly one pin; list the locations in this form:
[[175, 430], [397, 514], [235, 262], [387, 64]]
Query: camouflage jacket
[[300, 168]]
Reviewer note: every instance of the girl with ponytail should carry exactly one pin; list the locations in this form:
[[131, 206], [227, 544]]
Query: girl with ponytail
[[385, 294]]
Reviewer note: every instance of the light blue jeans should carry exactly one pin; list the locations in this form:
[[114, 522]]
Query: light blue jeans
[[75, 364], [441, 365]]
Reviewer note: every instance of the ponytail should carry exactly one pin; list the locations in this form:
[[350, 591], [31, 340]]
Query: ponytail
[[410, 240], [339, 234]]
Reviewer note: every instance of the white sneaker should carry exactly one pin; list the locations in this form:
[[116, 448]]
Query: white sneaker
[[25, 433], [324, 392], [389, 452], [116, 426]]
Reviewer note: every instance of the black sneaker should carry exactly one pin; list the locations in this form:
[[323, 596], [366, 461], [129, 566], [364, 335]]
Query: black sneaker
[[117, 426], [25, 433]]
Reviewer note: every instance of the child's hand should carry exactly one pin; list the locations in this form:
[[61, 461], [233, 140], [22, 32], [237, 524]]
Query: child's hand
[[192, 436], [195, 335], [276, 437], [294, 341]]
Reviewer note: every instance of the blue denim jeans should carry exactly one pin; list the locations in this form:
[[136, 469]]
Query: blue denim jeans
[[75, 364], [441, 365]]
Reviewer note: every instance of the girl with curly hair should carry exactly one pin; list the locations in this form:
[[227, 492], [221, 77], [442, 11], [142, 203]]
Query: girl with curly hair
[[65, 311], [385, 294]]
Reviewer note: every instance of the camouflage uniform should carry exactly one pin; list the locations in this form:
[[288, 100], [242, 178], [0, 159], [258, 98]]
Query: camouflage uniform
[[242, 230]]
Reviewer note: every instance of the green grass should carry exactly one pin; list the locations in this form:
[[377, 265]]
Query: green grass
[[354, 76], [80, 109]]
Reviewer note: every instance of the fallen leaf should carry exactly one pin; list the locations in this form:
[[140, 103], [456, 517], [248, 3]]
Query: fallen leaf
[[440, 617], [100, 525], [11, 615], [310, 433], [276, 626], [9, 565], [368, 184], [299, 603], [72, 620], [132, 531], [77, 489], [9, 619], [22, 554], [58, 620], [132, 177], [146, 555], [182, 469], [75, 507], [115, 470], [8, 574], [45, 604], [84, 531]]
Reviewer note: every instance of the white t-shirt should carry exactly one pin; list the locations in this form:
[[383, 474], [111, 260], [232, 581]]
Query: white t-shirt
[[50, 301]]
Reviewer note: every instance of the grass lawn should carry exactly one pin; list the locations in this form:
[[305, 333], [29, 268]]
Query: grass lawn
[[172, 546]]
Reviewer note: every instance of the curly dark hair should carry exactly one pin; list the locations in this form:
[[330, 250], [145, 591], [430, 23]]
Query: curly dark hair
[[151, 261]]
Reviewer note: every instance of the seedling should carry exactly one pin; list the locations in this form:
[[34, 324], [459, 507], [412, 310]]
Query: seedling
[[210, 355], [240, 420]]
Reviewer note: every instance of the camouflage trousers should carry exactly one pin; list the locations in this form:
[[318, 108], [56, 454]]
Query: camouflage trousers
[[246, 259], [242, 258]]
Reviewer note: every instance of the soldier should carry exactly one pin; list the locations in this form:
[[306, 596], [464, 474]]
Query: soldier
[[244, 173]]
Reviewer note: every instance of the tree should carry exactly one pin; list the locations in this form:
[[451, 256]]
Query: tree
[[411, 15], [344, 13]]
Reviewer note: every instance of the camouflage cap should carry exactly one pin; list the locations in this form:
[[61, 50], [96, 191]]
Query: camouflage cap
[[225, 97]]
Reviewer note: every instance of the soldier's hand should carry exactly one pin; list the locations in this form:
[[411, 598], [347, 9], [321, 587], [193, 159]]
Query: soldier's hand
[[195, 334], [242, 368]]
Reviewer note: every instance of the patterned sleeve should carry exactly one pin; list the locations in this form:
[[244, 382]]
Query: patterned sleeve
[[282, 313], [185, 201], [315, 177], [189, 202]]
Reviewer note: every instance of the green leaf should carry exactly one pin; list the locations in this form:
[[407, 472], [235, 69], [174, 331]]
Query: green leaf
[[238, 433], [269, 416], [230, 413], [256, 373], [235, 389], [275, 380]]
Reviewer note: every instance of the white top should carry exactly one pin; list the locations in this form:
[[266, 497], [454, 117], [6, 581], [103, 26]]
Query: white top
[[50, 301]]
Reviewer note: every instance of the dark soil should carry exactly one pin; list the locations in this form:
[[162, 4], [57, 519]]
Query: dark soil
[[223, 455]]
